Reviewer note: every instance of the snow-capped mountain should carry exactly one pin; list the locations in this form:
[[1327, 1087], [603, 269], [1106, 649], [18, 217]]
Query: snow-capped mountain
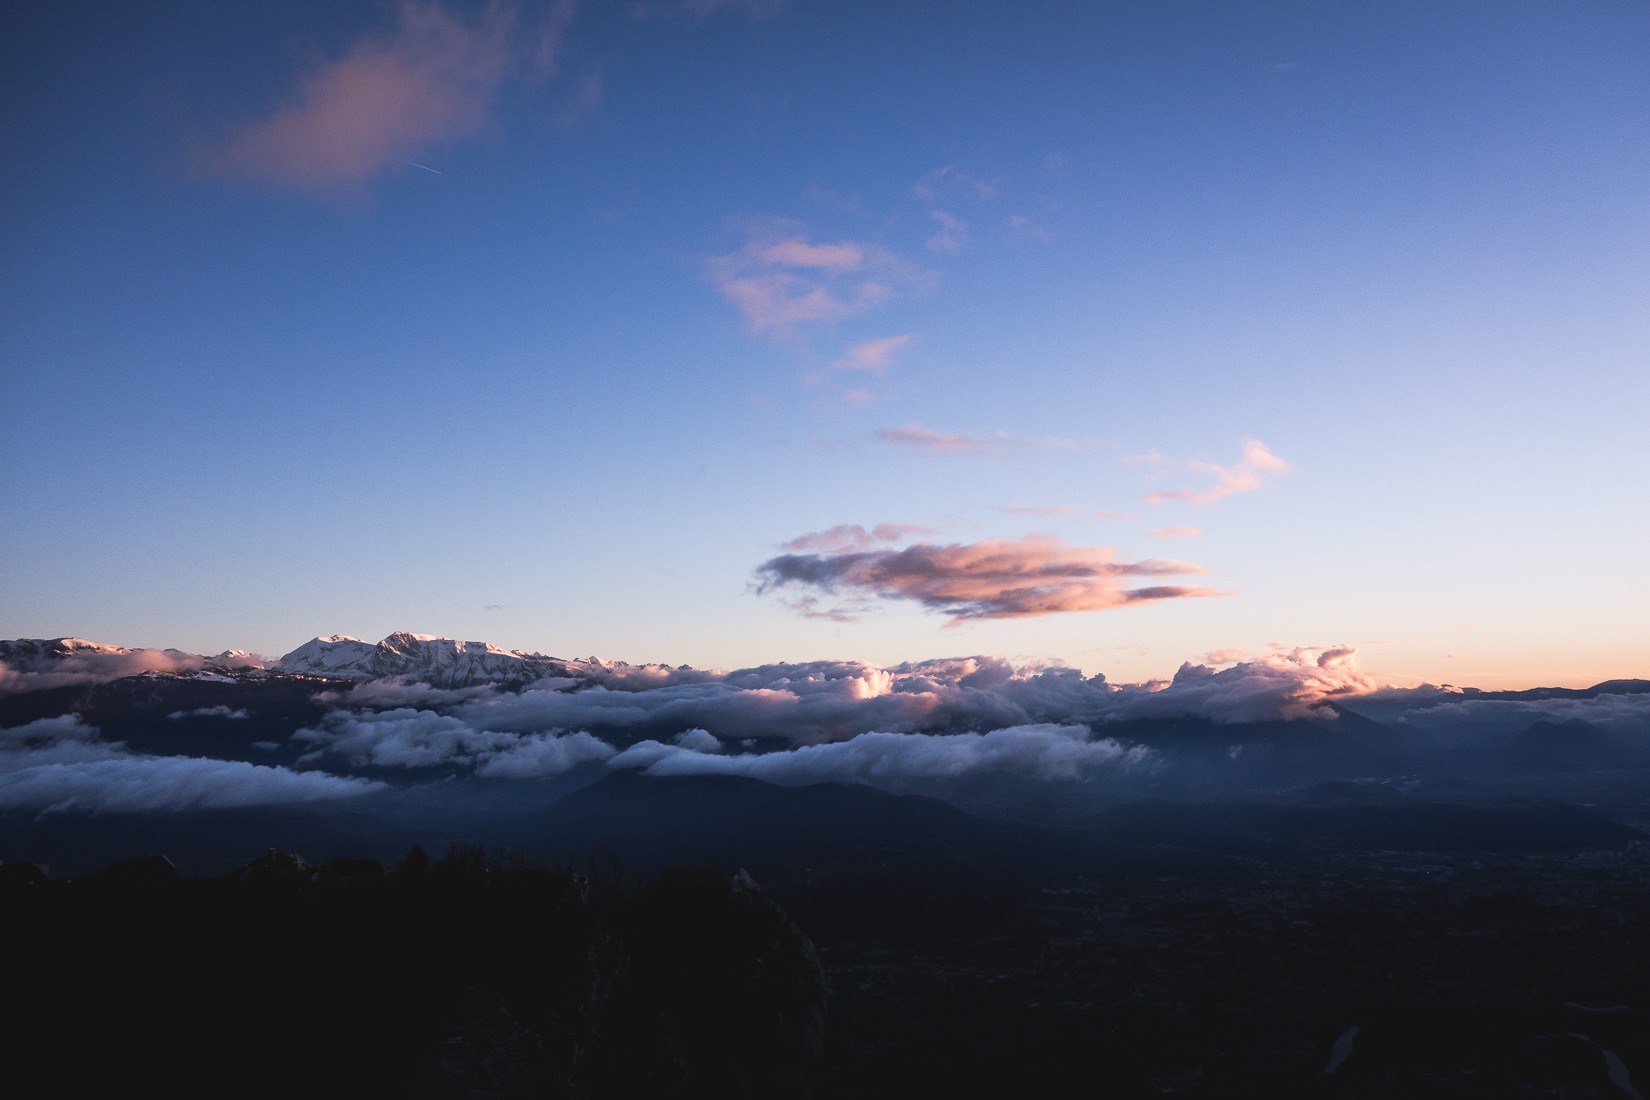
[[440, 662], [100, 661], [32, 652]]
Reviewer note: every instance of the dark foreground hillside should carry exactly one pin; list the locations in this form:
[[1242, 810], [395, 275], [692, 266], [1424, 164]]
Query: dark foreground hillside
[[450, 981], [1343, 941]]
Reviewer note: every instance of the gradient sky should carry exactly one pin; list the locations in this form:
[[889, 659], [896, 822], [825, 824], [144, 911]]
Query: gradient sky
[[725, 332]]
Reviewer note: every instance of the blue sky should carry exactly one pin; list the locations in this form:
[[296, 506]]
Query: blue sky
[[565, 326]]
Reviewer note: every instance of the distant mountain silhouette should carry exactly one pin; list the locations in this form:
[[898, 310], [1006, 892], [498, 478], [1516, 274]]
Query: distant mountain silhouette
[[841, 856], [1564, 746], [658, 821], [200, 841], [1376, 824]]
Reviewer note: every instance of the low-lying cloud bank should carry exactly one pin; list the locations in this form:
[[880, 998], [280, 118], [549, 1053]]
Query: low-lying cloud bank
[[413, 739], [818, 702], [917, 725], [1034, 752], [848, 720], [58, 765], [407, 738], [829, 720], [1621, 715]]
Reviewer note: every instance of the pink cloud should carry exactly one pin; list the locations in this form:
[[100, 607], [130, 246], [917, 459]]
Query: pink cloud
[[780, 279], [994, 579], [872, 355], [1254, 471], [393, 96], [1175, 533], [1290, 684], [915, 435], [795, 252]]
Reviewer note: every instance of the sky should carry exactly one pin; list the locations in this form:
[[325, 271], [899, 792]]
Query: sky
[[715, 332]]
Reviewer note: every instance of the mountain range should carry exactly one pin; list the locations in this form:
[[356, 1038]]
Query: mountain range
[[418, 738]]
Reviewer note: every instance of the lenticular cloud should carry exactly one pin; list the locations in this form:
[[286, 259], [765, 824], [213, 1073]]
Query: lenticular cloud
[[993, 579]]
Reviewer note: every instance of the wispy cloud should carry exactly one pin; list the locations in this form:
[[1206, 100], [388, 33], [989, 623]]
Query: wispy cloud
[[952, 235], [1022, 226], [1256, 469], [781, 279], [926, 439], [703, 9], [1153, 457], [1175, 533], [848, 537], [872, 355], [994, 579], [1060, 510], [944, 443], [994, 446], [941, 191], [393, 96], [952, 181]]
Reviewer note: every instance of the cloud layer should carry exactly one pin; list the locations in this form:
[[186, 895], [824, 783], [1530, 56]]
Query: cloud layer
[[836, 720]]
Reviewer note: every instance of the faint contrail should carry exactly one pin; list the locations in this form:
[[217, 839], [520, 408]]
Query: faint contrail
[[426, 167]]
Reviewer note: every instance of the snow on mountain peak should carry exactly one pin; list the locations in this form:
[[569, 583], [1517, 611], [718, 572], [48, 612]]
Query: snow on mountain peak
[[81, 645], [427, 658]]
